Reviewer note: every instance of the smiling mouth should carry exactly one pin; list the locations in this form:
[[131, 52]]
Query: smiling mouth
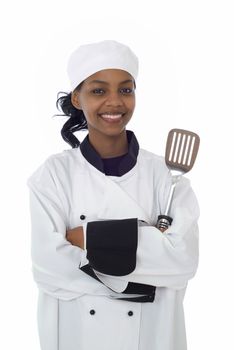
[[112, 117]]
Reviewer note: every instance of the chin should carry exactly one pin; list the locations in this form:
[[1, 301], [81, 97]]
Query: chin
[[113, 133]]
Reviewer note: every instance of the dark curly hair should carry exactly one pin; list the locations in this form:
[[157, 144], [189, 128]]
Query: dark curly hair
[[76, 121]]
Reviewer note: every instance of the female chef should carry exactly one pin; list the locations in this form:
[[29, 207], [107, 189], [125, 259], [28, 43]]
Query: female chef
[[107, 277]]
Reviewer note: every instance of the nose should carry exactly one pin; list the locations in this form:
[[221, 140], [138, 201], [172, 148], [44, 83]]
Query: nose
[[114, 99]]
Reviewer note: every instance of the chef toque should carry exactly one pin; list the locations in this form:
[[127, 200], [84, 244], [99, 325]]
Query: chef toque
[[107, 54]]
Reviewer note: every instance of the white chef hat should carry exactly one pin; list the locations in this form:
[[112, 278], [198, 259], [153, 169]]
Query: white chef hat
[[91, 58]]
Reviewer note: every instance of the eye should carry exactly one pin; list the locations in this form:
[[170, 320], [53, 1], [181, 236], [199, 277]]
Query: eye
[[126, 91], [98, 91]]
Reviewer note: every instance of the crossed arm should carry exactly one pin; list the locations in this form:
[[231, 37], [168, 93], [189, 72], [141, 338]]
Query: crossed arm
[[76, 236]]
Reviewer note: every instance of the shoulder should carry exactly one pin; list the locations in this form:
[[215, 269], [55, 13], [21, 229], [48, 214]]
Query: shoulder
[[64, 159], [152, 159], [152, 167], [56, 165]]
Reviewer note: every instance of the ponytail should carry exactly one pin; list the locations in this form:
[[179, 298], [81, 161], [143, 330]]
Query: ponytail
[[76, 121]]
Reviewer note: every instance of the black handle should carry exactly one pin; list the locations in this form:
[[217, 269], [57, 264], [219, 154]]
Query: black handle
[[164, 221]]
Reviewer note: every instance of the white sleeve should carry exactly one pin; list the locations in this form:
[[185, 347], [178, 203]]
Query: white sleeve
[[169, 259], [55, 262]]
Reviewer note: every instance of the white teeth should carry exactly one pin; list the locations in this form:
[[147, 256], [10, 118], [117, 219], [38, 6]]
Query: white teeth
[[111, 116]]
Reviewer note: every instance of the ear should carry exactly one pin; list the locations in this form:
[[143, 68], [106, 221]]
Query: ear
[[75, 99]]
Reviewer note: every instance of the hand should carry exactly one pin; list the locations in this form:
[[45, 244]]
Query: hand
[[76, 236], [163, 229]]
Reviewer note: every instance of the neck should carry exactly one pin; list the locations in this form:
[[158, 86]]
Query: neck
[[110, 146]]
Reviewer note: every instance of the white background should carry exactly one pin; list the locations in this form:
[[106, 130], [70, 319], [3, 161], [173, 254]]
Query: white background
[[186, 80]]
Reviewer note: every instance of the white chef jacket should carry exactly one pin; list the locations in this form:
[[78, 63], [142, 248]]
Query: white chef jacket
[[76, 311]]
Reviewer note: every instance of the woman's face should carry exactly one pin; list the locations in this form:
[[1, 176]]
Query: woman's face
[[107, 99]]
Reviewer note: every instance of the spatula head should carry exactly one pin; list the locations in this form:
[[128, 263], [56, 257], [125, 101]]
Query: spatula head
[[181, 149]]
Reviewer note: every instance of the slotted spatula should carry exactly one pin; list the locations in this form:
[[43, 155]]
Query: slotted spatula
[[181, 152]]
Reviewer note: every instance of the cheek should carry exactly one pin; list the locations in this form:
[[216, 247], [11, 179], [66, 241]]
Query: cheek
[[91, 115], [90, 109], [131, 104]]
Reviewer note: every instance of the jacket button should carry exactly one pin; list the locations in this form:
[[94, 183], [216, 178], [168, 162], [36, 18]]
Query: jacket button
[[92, 312], [82, 217], [130, 313]]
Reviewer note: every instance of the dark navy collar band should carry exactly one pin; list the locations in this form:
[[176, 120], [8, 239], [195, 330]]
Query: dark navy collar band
[[120, 165]]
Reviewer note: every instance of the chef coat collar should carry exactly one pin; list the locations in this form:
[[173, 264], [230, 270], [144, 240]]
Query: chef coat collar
[[126, 163]]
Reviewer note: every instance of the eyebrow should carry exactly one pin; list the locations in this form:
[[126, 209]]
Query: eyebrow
[[105, 82]]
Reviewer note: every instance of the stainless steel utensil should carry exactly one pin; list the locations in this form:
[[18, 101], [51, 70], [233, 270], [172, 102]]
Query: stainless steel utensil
[[181, 152]]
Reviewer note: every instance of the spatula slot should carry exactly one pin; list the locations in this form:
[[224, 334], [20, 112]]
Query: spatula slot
[[182, 149], [190, 152]]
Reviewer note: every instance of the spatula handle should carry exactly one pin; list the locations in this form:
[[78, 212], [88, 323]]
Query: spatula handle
[[164, 221]]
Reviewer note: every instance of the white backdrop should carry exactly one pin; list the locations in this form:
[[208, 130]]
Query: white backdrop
[[186, 80]]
